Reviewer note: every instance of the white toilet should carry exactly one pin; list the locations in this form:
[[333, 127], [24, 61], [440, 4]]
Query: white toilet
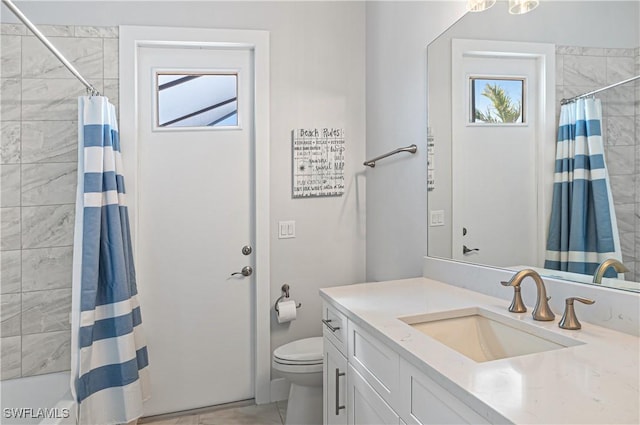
[[300, 362]]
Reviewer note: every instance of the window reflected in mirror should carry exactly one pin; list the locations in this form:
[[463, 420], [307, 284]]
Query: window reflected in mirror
[[197, 100]]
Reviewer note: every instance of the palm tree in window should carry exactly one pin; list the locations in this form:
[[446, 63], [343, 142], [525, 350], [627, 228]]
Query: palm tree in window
[[504, 109]]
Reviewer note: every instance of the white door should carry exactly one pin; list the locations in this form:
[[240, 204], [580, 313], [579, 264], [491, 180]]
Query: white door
[[195, 215], [494, 167]]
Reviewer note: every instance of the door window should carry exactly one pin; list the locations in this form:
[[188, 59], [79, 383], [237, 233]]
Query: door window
[[497, 100], [196, 100]]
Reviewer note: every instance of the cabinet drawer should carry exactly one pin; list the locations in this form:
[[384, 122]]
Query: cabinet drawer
[[335, 327], [366, 407], [376, 362], [423, 401]]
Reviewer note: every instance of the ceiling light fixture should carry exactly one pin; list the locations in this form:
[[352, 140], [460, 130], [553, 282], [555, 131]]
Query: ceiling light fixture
[[520, 7], [479, 5]]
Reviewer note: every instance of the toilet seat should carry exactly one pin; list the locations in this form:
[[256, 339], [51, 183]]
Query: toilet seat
[[298, 368], [303, 352]]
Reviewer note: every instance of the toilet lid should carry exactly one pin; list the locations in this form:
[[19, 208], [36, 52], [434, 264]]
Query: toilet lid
[[308, 350]]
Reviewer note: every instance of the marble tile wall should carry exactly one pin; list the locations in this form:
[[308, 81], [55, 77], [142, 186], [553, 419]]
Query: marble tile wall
[[582, 69], [38, 155]]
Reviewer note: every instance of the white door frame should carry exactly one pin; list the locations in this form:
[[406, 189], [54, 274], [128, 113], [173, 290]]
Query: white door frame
[[131, 39], [545, 56]]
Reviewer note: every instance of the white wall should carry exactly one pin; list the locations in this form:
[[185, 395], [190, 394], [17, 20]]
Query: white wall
[[317, 80], [397, 37]]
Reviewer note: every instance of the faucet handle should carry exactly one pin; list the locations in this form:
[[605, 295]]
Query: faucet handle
[[569, 319], [517, 306], [582, 300]]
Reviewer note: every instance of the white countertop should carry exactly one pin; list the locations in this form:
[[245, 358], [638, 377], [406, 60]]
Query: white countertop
[[596, 382]]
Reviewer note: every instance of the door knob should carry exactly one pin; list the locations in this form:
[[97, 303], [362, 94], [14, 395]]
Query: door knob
[[466, 250], [246, 271]]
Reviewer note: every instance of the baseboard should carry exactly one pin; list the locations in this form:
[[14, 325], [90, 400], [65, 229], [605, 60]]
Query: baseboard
[[190, 412], [279, 389]]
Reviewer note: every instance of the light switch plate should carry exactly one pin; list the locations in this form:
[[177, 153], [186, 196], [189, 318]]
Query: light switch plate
[[436, 218], [286, 229]]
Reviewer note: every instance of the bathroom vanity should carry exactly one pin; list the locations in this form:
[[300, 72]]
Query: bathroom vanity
[[408, 352]]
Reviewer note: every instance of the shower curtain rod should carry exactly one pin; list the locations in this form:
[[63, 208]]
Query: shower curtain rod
[[628, 80], [13, 8]]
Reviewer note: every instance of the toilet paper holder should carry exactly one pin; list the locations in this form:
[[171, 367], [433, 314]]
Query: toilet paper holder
[[285, 291]]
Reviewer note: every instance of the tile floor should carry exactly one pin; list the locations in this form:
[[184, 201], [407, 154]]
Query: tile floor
[[266, 414]]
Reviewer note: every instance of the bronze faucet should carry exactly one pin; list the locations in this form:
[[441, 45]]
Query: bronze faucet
[[541, 311], [602, 268]]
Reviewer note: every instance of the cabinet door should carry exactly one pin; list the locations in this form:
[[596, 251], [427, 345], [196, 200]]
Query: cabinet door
[[335, 385], [424, 402], [364, 404], [375, 361]]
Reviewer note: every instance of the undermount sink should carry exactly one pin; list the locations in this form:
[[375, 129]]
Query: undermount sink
[[483, 335]]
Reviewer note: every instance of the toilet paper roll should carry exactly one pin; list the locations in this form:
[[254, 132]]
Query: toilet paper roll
[[286, 311]]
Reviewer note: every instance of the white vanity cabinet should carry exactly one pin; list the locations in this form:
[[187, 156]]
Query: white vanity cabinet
[[397, 374], [367, 382]]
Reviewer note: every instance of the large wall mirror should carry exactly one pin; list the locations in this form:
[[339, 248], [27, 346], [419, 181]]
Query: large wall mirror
[[493, 166]]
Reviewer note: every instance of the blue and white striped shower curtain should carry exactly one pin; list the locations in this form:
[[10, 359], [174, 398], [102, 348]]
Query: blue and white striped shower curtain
[[583, 231], [109, 373]]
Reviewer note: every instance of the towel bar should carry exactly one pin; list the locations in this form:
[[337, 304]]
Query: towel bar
[[372, 162]]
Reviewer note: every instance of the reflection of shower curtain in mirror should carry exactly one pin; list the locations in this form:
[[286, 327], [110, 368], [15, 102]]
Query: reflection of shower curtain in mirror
[[583, 231]]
